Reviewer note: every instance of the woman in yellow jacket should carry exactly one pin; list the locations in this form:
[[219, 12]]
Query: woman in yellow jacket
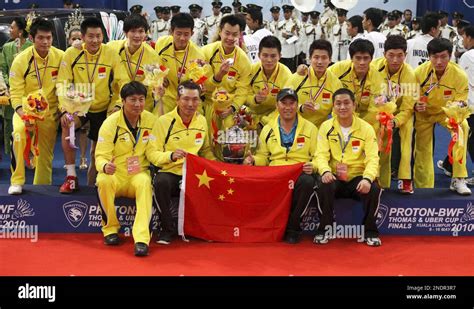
[[348, 162]]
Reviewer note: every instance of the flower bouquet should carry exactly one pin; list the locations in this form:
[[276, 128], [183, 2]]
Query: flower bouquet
[[35, 107], [75, 103], [154, 78], [456, 112], [198, 71], [384, 110]]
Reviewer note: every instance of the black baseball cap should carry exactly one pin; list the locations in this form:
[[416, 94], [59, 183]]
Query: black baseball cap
[[286, 92]]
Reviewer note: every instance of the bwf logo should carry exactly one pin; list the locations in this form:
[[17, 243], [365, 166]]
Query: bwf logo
[[28, 291]]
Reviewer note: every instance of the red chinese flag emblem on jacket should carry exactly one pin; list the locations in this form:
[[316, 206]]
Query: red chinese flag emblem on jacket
[[235, 203], [326, 95], [232, 73], [102, 70]]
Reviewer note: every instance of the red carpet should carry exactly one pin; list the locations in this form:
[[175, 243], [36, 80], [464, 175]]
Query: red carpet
[[85, 255]]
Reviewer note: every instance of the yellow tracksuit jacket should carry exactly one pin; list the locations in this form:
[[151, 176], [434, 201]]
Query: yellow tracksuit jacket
[[271, 152], [173, 134], [116, 141], [309, 85], [73, 70], [406, 81], [258, 82], [236, 82], [149, 57], [360, 154], [173, 59], [23, 81], [453, 86], [365, 91]]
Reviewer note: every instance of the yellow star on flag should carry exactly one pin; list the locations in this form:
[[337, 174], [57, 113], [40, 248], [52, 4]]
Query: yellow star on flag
[[204, 179], [231, 180], [224, 173], [222, 197], [230, 191]]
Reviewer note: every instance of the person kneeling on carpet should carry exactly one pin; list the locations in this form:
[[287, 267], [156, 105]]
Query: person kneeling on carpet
[[348, 162], [125, 147]]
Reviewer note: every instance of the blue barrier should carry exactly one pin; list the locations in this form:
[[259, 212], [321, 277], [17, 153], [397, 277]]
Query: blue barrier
[[427, 212]]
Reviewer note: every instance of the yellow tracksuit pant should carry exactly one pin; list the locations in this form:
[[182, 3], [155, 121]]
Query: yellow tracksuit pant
[[424, 170], [47, 130], [404, 169], [137, 186]]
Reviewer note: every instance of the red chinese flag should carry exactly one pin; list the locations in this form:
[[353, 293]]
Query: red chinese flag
[[232, 73], [102, 69], [326, 95], [235, 203], [356, 143]]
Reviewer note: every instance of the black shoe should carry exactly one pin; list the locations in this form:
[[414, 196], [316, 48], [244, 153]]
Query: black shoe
[[292, 238], [112, 239], [141, 249], [164, 238]]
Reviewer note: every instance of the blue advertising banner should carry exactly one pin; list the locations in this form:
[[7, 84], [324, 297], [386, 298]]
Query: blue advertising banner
[[51, 212]]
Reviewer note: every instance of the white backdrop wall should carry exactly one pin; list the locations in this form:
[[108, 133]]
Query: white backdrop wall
[[267, 4]]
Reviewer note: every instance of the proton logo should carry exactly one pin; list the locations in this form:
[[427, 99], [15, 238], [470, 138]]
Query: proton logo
[[75, 212], [23, 209], [381, 215], [469, 214]]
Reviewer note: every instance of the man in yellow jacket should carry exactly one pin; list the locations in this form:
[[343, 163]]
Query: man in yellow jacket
[[348, 162], [134, 55], [176, 52], [360, 77], [440, 81], [90, 70], [316, 88], [399, 85], [34, 69], [267, 77], [181, 131], [290, 139], [125, 147]]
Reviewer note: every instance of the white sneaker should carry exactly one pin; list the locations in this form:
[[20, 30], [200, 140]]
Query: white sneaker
[[15, 190], [373, 241], [439, 164], [470, 181], [459, 185]]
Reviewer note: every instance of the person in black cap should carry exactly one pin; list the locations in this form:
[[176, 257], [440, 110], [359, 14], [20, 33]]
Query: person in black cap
[[212, 22], [68, 4], [175, 10], [226, 10], [342, 38], [136, 9], [161, 27], [416, 28], [289, 139], [288, 28], [195, 10], [236, 4], [447, 31], [158, 11], [457, 16], [199, 25], [273, 24], [459, 48]]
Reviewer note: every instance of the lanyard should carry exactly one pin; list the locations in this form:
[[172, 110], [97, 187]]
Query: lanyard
[[344, 143], [180, 71], [38, 76], [89, 77], [129, 64], [362, 84], [391, 92], [433, 85], [265, 80], [315, 97]]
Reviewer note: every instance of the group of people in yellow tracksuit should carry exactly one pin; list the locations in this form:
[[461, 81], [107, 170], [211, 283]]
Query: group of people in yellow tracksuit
[[323, 116]]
